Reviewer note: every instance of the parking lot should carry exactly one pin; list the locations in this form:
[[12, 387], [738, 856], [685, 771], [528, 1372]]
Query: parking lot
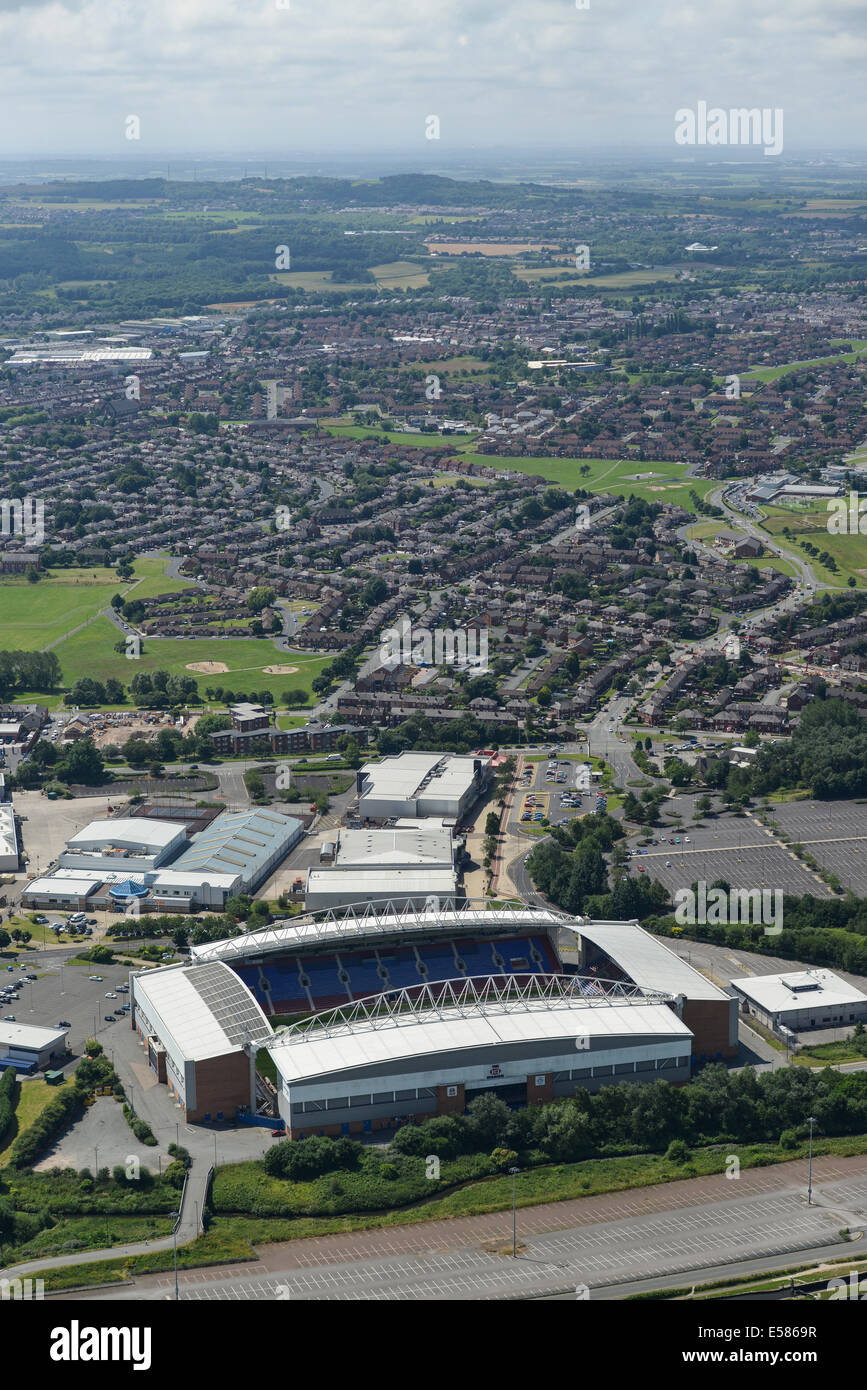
[[63, 993], [833, 832], [556, 800], [736, 848]]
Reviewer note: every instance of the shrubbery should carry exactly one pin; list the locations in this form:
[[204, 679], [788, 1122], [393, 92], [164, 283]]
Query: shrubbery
[[9, 1089]]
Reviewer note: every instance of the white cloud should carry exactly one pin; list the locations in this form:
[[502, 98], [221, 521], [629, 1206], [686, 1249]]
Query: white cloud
[[243, 74]]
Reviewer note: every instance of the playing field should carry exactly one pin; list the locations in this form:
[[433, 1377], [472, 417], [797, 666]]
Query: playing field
[[654, 481], [90, 652], [34, 615]]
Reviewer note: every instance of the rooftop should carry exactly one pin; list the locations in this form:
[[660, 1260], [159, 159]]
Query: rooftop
[[204, 1010], [803, 989], [466, 1014]]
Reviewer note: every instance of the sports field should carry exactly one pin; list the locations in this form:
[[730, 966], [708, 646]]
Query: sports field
[[34, 615], [90, 652], [654, 481]]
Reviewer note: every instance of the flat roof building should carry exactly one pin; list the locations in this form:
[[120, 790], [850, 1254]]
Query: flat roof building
[[801, 999], [421, 784], [132, 842], [8, 839], [28, 1048], [333, 886]]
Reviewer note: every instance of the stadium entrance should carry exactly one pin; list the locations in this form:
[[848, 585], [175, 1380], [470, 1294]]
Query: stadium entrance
[[514, 1096]]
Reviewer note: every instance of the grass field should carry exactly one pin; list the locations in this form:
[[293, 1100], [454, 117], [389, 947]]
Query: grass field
[[92, 651], [774, 373], [454, 445], [617, 476], [810, 523], [35, 1095], [623, 280], [35, 615]]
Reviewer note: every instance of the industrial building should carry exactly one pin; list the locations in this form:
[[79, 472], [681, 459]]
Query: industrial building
[[9, 849], [801, 999], [128, 843], [30, 1049], [408, 1056], [194, 1023], [421, 784], [398, 864], [164, 869], [249, 844]]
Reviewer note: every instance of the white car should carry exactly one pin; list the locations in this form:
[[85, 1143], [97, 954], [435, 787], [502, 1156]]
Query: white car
[[111, 994]]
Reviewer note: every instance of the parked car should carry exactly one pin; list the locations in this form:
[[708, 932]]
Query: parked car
[[111, 994], [98, 978], [110, 1018], [8, 1018]]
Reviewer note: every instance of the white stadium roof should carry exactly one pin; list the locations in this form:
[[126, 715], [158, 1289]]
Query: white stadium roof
[[204, 1010], [468, 1014], [646, 960], [383, 918]]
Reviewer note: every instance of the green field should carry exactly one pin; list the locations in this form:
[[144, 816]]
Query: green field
[[91, 653], [774, 373], [620, 280], [608, 475], [455, 444], [35, 615], [810, 523], [402, 275]]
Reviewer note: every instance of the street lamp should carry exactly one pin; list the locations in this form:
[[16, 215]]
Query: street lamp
[[514, 1172], [812, 1121], [176, 1216]]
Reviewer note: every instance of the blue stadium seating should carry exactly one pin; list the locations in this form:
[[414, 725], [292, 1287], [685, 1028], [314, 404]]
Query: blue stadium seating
[[288, 995]]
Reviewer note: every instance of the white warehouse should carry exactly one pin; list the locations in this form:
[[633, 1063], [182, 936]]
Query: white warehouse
[[421, 784]]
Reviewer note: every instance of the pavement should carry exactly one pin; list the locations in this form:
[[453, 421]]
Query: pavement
[[677, 1228]]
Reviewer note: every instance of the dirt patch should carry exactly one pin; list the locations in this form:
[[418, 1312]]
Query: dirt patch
[[208, 668], [280, 670]]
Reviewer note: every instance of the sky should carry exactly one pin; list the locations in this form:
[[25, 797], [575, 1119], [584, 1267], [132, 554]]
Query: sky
[[296, 76]]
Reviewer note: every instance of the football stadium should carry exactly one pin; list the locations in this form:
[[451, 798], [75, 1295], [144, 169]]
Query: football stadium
[[373, 1016]]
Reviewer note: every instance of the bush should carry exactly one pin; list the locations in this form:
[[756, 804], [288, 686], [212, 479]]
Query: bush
[[677, 1151], [30, 1144], [175, 1174], [788, 1139], [300, 1160]]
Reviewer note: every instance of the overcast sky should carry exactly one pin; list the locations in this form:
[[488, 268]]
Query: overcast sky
[[248, 76]]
